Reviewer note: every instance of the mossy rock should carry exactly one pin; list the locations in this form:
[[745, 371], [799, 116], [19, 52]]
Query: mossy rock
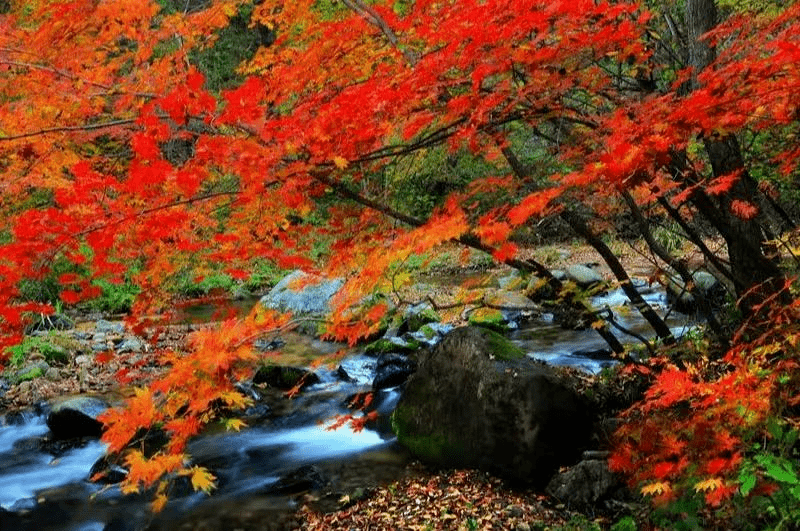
[[477, 401], [428, 331], [489, 318], [502, 348], [433, 447], [386, 345], [28, 373], [417, 319]]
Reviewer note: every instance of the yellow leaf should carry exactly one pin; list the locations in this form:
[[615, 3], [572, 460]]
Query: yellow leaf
[[340, 162], [656, 488], [235, 399], [129, 488], [597, 325], [234, 424], [708, 484], [158, 503], [202, 479]]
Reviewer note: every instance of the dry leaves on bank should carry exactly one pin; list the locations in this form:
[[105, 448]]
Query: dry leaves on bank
[[457, 500]]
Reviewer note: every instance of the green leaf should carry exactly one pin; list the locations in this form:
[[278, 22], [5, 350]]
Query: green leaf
[[774, 428], [779, 470], [748, 481]]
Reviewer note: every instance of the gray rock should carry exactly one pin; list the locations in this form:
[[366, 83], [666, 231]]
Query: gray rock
[[313, 298], [392, 369], [84, 360], [104, 326], [584, 276], [45, 323], [585, 484], [511, 281], [130, 344], [477, 401], [304, 479], [52, 374], [514, 306], [263, 344], [679, 297], [285, 378], [32, 370], [76, 417], [417, 316]]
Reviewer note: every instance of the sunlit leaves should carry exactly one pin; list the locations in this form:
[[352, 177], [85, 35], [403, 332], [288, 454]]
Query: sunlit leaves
[[95, 97], [657, 488], [532, 205], [201, 479]]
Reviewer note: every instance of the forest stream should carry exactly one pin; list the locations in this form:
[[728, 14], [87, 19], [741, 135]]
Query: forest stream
[[261, 469]]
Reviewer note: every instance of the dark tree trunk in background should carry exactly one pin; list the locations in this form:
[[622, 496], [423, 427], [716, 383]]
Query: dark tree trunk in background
[[745, 239]]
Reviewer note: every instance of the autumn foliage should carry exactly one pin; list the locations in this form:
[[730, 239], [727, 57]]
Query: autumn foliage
[[93, 92]]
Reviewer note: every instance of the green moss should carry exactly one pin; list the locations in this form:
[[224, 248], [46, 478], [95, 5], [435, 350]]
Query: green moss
[[54, 347], [502, 348], [428, 332], [383, 345], [489, 318], [434, 447], [32, 374], [417, 320]]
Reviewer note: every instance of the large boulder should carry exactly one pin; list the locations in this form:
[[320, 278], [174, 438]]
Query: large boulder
[[476, 400], [302, 294]]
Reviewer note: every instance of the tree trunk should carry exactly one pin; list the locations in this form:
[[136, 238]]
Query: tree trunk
[[678, 265], [656, 322], [577, 224], [756, 275]]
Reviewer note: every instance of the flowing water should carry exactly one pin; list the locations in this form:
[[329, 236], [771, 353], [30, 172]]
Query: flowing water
[[42, 491], [545, 340]]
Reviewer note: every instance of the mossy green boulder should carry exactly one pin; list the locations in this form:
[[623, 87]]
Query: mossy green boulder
[[476, 400]]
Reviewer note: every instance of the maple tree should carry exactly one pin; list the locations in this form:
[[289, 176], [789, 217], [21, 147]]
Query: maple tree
[[94, 92]]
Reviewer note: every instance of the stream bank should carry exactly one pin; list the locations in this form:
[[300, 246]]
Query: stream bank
[[286, 445]]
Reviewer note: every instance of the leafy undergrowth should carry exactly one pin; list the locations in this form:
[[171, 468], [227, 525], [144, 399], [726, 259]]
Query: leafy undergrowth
[[459, 499]]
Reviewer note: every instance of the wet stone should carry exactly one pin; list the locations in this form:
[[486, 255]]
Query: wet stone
[[76, 417], [304, 479], [107, 326], [130, 344], [285, 378], [266, 345], [23, 505]]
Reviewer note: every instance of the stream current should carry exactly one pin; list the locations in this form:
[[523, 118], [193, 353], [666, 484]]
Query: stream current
[[42, 491]]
